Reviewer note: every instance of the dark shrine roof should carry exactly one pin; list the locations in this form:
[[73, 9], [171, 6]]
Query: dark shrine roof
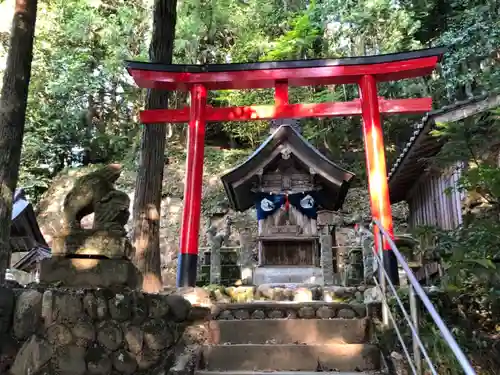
[[25, 234], [421, 146], [31, 258], [387, 67], [240, 181]]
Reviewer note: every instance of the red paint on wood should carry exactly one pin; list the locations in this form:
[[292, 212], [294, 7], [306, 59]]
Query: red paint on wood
[[281, 94], [375, 157], [266, 78], [194, 172], [282, 111]]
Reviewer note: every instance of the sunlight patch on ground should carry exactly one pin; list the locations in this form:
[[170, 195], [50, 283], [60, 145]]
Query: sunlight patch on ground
[[84, 263]]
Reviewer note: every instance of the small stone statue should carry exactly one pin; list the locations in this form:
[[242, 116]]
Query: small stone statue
[[353, 271], [361, 264], [370, 264], [215, 241]]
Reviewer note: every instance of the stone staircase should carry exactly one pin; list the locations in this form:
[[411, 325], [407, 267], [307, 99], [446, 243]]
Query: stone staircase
[[289, 339]]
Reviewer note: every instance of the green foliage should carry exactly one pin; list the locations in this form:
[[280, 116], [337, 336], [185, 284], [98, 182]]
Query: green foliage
[[474, 35], [82, 108], [300, 41], [470, 139], [469, 255], [470, 28], [276, 30], [461, 313]]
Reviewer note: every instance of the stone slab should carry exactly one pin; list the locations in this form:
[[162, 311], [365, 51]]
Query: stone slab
[[106, 243], [338, 357], [297, 275], [88, 272], [289, 331]]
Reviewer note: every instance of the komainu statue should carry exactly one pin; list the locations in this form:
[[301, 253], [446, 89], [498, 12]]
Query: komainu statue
[[100, 256], [95, 193], [215, 241]]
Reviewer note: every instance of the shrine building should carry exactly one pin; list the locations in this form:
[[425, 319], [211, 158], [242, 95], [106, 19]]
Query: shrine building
[[287, 180]]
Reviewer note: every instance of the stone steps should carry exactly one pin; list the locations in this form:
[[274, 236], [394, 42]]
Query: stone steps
[[289, 339], [291, 357], [204, 372], [289, 331]]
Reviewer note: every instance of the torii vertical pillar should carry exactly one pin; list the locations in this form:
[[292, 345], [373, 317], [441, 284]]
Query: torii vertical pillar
[[376, 170], [193, 184]]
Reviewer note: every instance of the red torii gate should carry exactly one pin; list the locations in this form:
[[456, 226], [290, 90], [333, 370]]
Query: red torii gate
[[362, 71]]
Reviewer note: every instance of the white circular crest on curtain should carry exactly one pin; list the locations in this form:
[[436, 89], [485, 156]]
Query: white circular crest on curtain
[[307, 202], [266, 205]]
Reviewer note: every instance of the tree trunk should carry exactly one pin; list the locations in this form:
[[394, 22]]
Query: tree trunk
[[13, 101], [147, 198]]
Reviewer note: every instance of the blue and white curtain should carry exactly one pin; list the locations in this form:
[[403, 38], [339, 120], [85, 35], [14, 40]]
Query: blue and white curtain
[[307, 203], [267, 204]]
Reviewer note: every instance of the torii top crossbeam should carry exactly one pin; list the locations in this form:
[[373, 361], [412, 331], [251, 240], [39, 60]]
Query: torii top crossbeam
[[362, 71], [389, 67], [281, 74]]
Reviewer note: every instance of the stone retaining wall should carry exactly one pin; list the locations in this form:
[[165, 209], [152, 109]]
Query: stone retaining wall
[[77, 332], [312, 310], [277, 292]]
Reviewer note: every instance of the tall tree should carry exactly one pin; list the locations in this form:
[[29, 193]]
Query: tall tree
[[147, 198], [81, 106], [13, 101]]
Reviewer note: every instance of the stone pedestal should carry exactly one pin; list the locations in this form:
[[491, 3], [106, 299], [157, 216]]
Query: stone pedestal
[[93, 242], [91, 258], [89, 272], [286, 275]]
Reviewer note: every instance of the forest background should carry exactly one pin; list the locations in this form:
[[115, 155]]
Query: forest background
[[83, 106]]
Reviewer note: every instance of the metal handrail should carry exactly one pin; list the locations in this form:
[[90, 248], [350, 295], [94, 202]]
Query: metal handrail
[[413, 325], [415, 289]]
